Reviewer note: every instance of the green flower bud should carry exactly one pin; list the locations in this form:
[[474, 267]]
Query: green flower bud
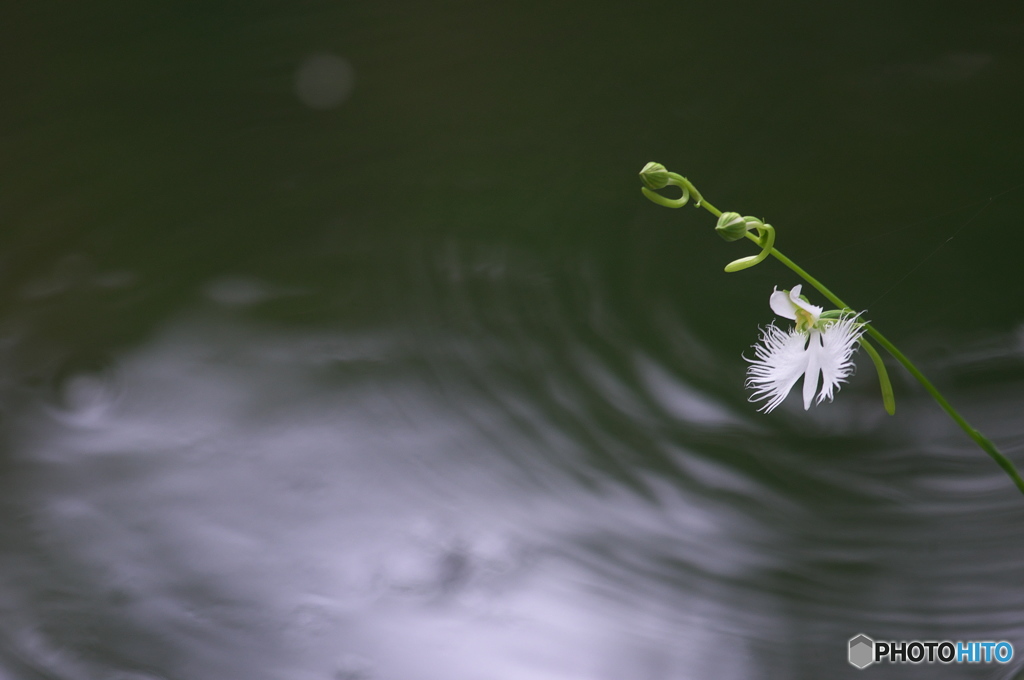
[[654, 176], [731, 226]]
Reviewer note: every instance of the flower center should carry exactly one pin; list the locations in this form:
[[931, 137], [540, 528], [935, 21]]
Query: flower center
[[804, 320]]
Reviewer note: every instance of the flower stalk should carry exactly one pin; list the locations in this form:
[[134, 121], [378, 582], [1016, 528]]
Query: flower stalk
[[764, 236]]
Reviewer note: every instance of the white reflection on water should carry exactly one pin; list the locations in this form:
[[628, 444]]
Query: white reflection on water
[[237, 501], [252, 503]]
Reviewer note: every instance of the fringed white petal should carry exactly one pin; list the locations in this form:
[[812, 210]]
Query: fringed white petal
[[820, 356], [838, 343], [780, 360]]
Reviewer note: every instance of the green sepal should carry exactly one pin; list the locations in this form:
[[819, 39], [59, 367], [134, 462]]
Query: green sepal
[[836, 313]]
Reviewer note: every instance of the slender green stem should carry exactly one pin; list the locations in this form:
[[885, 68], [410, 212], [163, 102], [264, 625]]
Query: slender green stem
[[698, 200]]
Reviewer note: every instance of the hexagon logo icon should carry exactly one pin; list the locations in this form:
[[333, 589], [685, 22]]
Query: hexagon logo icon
[[862, 651]]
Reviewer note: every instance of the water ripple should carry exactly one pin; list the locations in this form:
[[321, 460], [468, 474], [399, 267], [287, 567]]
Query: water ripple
[[500, 491]]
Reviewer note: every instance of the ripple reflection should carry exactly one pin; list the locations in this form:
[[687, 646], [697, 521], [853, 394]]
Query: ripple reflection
[[251, 501]]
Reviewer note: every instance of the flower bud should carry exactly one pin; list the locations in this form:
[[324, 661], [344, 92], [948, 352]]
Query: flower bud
[[731, 226], [654, 176]]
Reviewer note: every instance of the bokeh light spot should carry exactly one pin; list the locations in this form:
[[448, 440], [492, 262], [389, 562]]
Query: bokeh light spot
[[324, 81]]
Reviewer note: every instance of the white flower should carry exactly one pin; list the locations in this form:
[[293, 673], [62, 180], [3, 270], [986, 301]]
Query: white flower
[[815, 349]]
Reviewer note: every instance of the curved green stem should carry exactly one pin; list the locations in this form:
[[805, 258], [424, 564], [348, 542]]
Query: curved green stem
[[664, 201], [888, 398], [689, 191], [765, 239]]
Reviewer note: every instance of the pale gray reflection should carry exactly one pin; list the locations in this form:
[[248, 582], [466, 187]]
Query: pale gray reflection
[[681, 401], [257, 503], [241, 291], [234, 500]]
